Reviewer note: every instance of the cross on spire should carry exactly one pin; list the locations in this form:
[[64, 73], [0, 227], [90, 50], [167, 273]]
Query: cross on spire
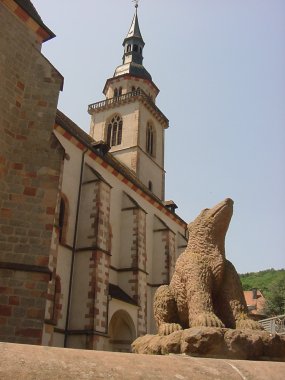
[[136, 2]]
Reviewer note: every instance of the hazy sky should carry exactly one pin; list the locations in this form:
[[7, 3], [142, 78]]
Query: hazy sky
[[219, 65]]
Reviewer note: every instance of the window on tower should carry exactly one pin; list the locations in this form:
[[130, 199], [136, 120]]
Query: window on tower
[[136, 48], [115, 92], [150, 139], [114, 131]]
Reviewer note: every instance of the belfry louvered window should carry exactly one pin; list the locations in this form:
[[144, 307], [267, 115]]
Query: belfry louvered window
[[114, 131], [150, 139]]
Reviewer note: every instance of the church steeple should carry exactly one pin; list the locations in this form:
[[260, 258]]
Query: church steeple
[[133, 52], [128, 120]]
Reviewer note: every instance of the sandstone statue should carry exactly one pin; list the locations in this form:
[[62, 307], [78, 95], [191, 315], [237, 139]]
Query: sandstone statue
[[205, 289]]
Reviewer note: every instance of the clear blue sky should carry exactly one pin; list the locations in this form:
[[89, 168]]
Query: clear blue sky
[[220, 68]]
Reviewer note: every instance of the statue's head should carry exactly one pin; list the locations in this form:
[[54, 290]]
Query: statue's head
[[212, 224]]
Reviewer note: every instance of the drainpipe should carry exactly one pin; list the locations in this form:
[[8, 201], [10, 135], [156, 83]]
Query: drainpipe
[[74, 249]]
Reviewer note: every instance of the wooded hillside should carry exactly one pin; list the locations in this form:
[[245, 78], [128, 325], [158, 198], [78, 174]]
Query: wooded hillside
[[271, 283]]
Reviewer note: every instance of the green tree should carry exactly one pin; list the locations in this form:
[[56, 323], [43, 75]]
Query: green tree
[[275, 298]]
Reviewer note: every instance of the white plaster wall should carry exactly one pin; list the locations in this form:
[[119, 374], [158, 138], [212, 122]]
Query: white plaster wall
[[70, 186], [63, 270], [80, 290], [70, 183], [127, 225]]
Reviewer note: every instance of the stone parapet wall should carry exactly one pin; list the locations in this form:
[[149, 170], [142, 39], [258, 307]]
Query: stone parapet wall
[[33, 362]]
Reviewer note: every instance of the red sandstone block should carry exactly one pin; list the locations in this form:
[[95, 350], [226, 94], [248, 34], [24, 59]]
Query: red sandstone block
[[5, 310], [31, 191], [30, 285], [20, 13], [5, 212], [50, 210], [5, 290], [42, 103], [18, 104], [31, 174], [14, 300], [21, 137], [3, 321], [20, 85], [17, 166], [35, 313], [42, 261], [42, 33], [49, 227], [31, 333]]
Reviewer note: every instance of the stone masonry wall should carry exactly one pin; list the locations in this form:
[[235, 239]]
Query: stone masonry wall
[[30, 162]]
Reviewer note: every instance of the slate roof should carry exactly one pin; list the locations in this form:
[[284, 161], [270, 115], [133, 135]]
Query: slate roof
[[135, 28], [28, 7], [116, 292]]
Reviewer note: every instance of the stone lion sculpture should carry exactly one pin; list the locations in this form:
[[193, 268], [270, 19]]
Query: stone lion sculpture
[[205, 289]]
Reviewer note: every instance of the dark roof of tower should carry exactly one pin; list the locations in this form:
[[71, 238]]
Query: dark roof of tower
[[28, 7], [135, 28], [134, 69]]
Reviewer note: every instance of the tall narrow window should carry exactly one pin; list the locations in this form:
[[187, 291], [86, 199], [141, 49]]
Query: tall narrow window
[[120, 91], [115, 92], [150, 185], [63, 219], [150, 139], [114, 131]]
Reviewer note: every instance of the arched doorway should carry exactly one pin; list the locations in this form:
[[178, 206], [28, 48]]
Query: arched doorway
[[122, 332]]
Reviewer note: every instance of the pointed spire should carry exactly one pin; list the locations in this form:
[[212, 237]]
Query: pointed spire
[[133, 51], [135, 28]]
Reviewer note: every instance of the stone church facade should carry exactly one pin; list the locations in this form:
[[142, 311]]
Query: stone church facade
[[86, 235]]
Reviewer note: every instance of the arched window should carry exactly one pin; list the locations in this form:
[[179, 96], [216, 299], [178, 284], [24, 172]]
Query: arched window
[[136, 48], [133, 89], [129, 48], [120, 91], [114, 131], [150, 139], [115, 92], [150, 185], [63, 219]]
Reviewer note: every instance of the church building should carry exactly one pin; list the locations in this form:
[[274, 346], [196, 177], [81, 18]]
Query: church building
[[86, 233]]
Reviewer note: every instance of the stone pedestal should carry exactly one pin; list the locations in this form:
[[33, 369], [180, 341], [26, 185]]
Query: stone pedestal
[[212, 342]]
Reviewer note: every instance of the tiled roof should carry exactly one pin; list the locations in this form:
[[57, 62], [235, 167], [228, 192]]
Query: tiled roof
[[254, 301], [116, 292], [28, 7]]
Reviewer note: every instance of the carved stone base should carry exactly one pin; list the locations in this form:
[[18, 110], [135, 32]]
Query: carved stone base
[[215, 342]]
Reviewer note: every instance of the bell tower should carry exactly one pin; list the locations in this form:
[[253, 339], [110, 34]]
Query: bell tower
[[128, 120]]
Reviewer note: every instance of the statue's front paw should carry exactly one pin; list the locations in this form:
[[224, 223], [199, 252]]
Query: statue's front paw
[[168, 328], [247, 323], [206, 320]]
